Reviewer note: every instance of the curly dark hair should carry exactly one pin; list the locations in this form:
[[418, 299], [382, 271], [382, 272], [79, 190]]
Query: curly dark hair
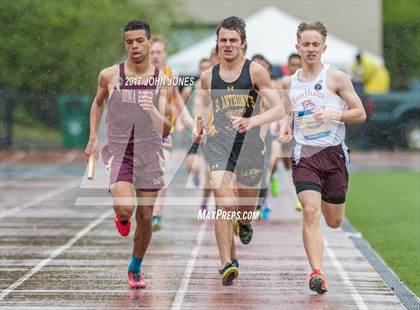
[[138, 25], [233, 23]]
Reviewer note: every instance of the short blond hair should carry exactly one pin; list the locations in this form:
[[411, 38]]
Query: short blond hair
[[317, 26], [160, 39]]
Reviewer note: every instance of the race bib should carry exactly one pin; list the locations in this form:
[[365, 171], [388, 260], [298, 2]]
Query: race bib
[[310, 128]]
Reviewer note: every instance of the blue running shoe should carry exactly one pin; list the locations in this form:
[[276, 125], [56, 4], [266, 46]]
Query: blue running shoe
[[265, 214]]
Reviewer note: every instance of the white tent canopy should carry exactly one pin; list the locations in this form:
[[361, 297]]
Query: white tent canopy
[[272, 33]]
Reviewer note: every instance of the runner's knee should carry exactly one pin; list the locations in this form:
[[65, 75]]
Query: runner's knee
[[124, 212], [334, 223], [144, 221], [311, 214], [144, 218], [226, 203]]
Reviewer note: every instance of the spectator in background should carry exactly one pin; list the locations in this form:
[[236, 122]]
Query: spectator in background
[[194, 161], [373, 76], [158, 54], [277, 72], [271, 153], [293, 63], [214, 57]]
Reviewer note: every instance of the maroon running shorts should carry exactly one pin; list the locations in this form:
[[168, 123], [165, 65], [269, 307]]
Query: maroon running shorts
[[122, 166], [323, 170]]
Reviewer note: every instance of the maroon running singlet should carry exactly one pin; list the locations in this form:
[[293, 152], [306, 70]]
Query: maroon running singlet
[[134, 151]]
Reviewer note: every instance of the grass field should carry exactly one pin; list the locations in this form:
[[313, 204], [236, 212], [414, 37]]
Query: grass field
[[385, 208]]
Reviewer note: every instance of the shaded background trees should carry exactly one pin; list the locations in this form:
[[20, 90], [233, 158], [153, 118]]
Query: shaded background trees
[[49, 47], [401, 28]]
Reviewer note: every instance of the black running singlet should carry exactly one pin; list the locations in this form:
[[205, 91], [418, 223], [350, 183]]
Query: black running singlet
[[238, 98]]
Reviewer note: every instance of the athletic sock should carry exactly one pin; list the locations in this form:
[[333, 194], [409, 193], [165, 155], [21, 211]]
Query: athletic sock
[[135, 264]]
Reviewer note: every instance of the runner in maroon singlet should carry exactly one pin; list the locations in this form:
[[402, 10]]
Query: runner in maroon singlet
[[136, 120]]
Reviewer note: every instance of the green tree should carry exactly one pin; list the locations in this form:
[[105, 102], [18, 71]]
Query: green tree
[[401, 40], [51, 47]]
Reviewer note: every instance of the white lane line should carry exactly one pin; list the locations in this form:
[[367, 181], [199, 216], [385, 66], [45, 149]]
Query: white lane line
[[106, 201], [39, 199], [174, 201], [55, 253], [179, 297], [345, 277], [127, 290], [261, 290], [40, 184]]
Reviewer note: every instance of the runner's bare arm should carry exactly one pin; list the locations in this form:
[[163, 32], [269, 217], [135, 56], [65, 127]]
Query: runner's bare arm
[[180, 103], [273, 103], [341, 84], [165, 110], [284, 88], [201, 101], [356, 112], [161, 115], [97, 108], [265, 127], [186, 93], [287, 134]]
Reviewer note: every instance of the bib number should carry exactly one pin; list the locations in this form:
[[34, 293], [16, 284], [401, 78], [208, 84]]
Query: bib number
[[310, 128]]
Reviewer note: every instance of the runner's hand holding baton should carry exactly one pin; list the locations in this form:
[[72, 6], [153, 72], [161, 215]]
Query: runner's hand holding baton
[[91, 154], [197, 134]]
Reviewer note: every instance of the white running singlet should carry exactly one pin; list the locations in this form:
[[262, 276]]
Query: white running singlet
[[306, 97]]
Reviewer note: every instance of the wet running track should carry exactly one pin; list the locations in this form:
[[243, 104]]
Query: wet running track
[[59, 251]]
